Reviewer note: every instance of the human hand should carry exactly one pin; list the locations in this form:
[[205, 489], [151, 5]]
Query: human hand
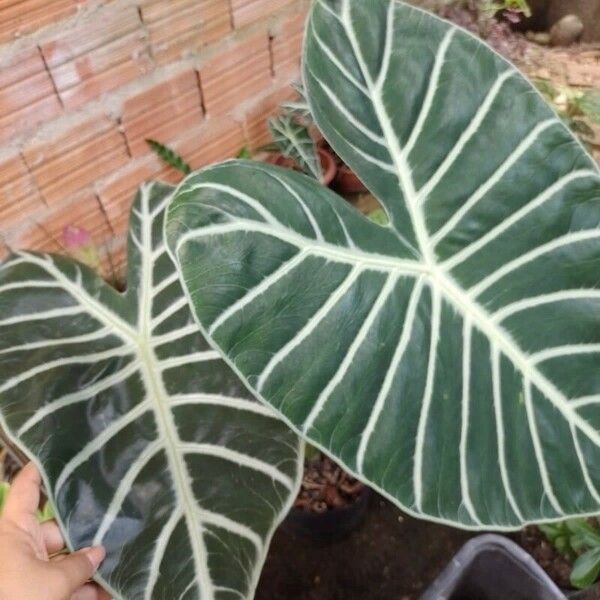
[[28, 570]]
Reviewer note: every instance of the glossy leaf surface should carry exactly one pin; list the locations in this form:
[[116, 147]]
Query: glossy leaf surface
[[450, 358], [148, 442]]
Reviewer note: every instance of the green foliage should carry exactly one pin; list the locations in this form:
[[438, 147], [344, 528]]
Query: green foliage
[[579, 541], [520, 6], [46, 513], [405, 352], [140, 353], [299, 107], [294, 141], [4, 489], [379, 216], [169, 156], [574, 106], [244, 153], [589, 105]]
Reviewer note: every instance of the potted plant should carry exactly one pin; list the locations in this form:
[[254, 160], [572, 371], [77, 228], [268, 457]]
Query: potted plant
[[344, 180], [296, 149], [578, 540], [330, 505]]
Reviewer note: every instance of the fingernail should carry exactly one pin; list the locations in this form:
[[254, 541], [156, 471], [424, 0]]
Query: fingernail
[[95, 554]]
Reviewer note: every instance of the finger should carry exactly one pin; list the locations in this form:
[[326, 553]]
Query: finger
[[103, 594], [73, 571], [24, 495], [53, 539], [90, 591]]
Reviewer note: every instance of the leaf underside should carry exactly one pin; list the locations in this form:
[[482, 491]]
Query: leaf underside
[[449, 359], [147, 441]]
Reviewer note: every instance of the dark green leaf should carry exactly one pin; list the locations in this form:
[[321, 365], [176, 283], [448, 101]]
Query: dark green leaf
[[450, 358], [147, 441]]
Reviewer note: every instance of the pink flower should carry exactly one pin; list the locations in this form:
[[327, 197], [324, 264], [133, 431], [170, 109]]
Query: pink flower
[[76, 237]]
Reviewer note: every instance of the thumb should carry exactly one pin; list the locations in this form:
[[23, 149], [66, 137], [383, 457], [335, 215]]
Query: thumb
[[70, 573]]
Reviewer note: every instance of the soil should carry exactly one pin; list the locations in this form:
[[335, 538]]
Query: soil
[[325, 486], [545, 554], [548, 12], [392, 556]]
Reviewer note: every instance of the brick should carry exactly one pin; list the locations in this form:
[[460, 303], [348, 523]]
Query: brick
[[75, 159], [26, 16], [33, 237], [242, 71], [117, 191], [113, 263], [100, 54], [27, 96], [250, 11], [215, 141], [4, 250], [255, 118], [162, 112], [19, 197], [181, 28], [82, 210], [44, 231], [287, 47]]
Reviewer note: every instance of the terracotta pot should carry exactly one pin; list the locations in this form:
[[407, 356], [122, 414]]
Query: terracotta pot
[[328, 165], [346, 182]]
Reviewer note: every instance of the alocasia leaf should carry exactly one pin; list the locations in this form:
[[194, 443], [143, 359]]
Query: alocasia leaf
[[294, 141], [147, 441], [450, 358]]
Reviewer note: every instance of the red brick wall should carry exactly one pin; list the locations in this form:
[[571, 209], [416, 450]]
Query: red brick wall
[[84, 82]]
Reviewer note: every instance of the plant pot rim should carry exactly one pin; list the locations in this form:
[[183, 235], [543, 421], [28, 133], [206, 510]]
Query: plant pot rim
[[456, 572]]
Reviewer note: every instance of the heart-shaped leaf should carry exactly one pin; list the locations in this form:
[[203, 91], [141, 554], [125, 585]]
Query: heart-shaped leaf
[[449, 358], [147, 441], [294, 141]]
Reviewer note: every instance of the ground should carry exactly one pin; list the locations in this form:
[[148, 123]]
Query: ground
[[392, 556]]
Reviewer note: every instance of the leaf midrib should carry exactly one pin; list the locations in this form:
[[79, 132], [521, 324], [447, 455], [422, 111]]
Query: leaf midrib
[[503, 340], [164, 417], [140, 341], [431, 270]]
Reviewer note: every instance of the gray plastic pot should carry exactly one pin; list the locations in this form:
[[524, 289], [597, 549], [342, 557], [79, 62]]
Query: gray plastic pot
[[492, 567]]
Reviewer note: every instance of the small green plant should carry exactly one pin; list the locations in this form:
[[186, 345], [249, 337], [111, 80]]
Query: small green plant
[[520, 7], [298, 107], [574, 106], [244, 153], [169, 156], [578, 541], [293, 139], [46, 513]]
